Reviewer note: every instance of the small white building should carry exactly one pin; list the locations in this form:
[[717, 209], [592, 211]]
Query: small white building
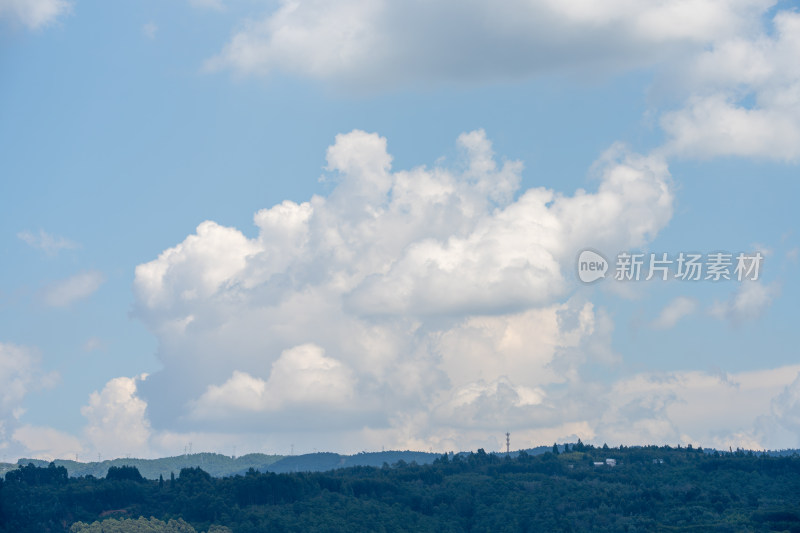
[[608, 462]]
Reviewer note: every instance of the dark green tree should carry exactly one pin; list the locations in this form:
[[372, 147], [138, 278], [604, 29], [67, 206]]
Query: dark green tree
[[120, 473]]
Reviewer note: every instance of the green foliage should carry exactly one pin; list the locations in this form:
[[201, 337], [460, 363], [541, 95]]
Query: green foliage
[[32, 475], [142, 525], [124, 472], [651, 489]]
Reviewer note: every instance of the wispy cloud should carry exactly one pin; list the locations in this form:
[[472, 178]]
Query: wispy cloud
[[65, 292], [34, 13], [48, 443], [92, 344], [748, 303], [677, 309], [149, 30], [20, 374], [217, 5], [49, 244]]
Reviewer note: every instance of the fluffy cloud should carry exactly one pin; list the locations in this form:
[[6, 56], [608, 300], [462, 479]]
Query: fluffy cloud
[[302, 375], [731, 68], [66, 292], [384, 43], [34, 13], [406, 301], [116, 422], [744, 96], [753, 409], [719, 125]]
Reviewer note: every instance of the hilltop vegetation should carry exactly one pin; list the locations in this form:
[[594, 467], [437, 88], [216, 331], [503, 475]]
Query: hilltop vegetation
[[218, 465], [649, 489], [142, 525]]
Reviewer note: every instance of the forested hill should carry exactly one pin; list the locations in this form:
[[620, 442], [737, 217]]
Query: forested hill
[[585, 489], [321, 462], [219, 465]]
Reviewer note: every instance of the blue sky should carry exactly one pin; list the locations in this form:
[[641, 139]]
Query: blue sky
[[355, 225]]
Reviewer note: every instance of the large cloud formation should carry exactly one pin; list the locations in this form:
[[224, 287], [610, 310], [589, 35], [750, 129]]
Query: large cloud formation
[[431, 301], [430, 308], [727, 67], [744, 97], [383, 42]]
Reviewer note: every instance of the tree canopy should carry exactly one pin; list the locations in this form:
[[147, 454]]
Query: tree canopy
[[650, 488]]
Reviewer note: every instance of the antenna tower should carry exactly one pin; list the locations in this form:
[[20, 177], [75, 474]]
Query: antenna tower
[[508, 443]]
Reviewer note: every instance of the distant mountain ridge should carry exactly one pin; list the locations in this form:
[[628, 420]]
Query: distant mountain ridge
[[218, 465], [323, 461]]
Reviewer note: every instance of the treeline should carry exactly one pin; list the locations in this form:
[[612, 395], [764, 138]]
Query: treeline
[[215, 464], [649, 489], [222, 466]]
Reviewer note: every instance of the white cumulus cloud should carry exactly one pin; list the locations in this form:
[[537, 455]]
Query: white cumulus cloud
[[384, 43], [745, 96], [116, 421], [726, 69], [372, 307], [301, 375]]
